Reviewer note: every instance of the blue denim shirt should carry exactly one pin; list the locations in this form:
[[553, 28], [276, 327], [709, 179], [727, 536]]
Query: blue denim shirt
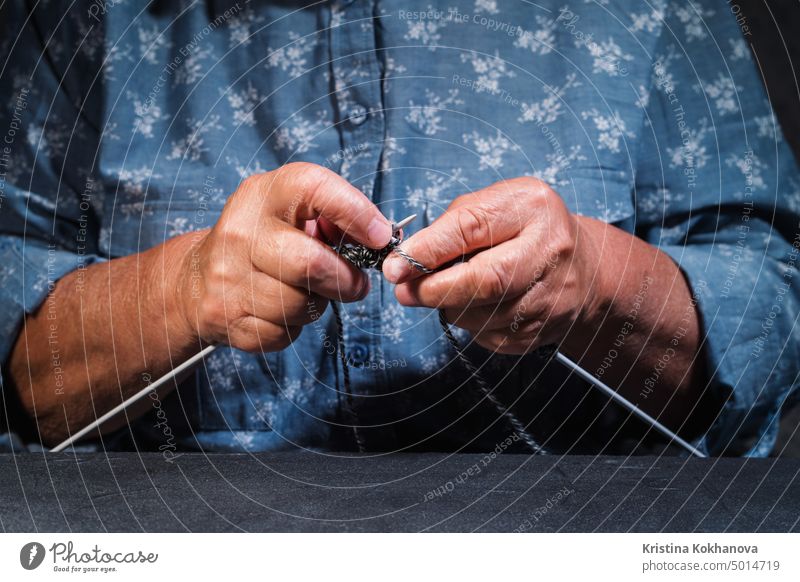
[[126, 124]]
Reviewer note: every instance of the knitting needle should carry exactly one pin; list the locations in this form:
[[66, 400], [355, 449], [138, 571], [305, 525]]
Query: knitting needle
[[149, 389], [404, 222], [191, 362], [600, 385], [627, 404], [199, 356]]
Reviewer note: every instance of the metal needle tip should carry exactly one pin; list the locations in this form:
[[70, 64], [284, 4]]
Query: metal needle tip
[[404, 222]]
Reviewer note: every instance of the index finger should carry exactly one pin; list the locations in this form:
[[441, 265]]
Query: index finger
[[302, 191], [473, 222]]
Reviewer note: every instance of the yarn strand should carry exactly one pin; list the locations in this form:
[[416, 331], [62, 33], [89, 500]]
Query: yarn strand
[[365, 258]]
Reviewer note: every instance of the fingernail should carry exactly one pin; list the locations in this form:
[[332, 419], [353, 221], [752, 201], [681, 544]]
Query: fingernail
[[393, 270], [379, 232]]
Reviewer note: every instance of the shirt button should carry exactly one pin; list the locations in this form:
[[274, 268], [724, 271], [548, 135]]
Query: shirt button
[[359, 354], [358, 114]]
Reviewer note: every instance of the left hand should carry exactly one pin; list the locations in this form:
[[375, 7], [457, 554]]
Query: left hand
[[531, 272]]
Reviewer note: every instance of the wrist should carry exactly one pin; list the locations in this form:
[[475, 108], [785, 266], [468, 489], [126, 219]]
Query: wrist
[[596, 275], [179, 270], [593, 242]]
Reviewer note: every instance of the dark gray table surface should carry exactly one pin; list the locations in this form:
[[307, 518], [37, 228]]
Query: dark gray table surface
[[314, 492]]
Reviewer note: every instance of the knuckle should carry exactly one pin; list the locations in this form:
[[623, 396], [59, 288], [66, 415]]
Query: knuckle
[[247, 343], [271, 246], [301, 169], [253, 183], [317, 266], [493, 283], [239, 333], [233, 232], [560, 246], [474, 282], [474, 223], [535, 183], [530, 191], [294, 308], [459, 201], [305, 176], [534, 186], [422, 248], [254, 335]]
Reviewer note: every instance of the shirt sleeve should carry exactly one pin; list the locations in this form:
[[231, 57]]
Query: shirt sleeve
[[717, 189], [49, 204]]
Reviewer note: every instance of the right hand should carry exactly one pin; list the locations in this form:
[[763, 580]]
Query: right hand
[[262, 272]]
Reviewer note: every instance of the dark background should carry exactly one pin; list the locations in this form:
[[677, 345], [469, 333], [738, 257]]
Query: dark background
[[775, 43]]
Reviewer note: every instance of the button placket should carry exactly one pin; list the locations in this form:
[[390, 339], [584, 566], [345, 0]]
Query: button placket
[[357, 77], [359, 104], [358, 114]]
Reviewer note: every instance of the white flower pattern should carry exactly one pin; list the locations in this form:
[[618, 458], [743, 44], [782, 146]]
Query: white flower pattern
[[127, 139]]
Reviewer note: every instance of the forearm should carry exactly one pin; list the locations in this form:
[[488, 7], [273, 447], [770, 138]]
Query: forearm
[[540, 275], [98, 337], [251, 282], [642, 334]]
